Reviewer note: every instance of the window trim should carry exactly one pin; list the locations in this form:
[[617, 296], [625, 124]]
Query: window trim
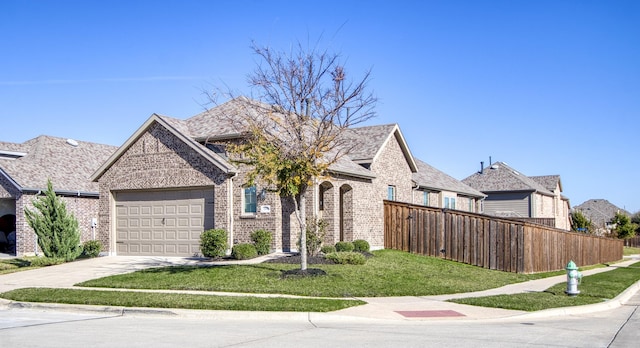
[[244, 211], [391, 193]]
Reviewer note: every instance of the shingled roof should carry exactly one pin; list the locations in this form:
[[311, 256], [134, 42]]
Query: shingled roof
[[550, 182], [366, 143], [431, 178], [599, 211], [499, 177], [68, 163]]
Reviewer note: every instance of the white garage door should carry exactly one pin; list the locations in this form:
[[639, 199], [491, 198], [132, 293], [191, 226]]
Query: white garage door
[[163, 223]]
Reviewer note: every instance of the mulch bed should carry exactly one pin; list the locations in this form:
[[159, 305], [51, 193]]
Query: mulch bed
[[295, 259]]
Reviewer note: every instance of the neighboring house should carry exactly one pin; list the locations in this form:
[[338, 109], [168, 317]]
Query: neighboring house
[[24, 171], [513, 194], [172, 179], [436, 189], [600, 212]]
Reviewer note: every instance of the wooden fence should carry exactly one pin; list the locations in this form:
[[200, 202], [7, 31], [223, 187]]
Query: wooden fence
[[491, 242], [633, 242]]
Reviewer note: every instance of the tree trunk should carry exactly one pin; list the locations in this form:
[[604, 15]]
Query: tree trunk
[[302, 219]]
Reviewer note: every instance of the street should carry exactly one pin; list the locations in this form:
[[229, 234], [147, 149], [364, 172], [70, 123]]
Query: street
[[19, 327]]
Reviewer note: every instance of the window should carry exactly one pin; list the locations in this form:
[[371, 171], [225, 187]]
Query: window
[[425, 198], [250, 200], [449, 203], [391, 193]]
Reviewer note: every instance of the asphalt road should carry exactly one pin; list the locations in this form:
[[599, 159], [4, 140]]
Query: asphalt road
[[20, 327]]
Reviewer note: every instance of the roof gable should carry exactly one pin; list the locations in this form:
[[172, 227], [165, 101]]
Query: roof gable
[[178, 128], [366, 143], [499, 177], [430, 178], [550, 182]]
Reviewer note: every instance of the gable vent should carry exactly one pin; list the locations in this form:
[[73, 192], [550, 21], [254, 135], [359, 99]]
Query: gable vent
[[11, 154]]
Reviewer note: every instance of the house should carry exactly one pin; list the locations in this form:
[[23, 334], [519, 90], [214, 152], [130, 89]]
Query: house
[[600, 212], [172, 178], [24, 171], [513, 194], [434, 188]]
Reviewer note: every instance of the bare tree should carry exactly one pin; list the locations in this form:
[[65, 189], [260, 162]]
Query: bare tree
[[294, 133]]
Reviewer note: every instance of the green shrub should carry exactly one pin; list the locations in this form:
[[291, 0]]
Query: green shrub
[[213, 243], [327, 249], [361, 245], [244, 251], [45, 261], [316, 231], [91, 248], [344, 247], [347, 258], [57, 230], [262, 241]]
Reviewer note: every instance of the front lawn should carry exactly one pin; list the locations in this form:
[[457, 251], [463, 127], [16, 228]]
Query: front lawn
[[388, 273], [26, 263]]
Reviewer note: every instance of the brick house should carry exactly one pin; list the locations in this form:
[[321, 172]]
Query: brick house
[[513, 194], [600, 212], [24, 171], [435, 188], [172, 178]]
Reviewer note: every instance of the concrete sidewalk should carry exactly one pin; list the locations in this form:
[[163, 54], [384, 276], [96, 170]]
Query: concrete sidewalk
[[407, 308]]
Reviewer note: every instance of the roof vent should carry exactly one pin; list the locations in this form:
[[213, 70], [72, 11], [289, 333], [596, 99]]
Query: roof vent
[[495, 166], [72, 142]]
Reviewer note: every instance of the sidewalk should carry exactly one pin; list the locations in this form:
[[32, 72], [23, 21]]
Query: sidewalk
[[407, 308]]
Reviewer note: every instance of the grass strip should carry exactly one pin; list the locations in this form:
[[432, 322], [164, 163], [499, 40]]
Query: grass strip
[[626, 251], [388, 273], [184, 301], [593, 289]]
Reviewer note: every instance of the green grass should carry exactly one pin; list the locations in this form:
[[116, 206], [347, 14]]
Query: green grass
[[593, 289], [389, 273], [630, 251], [26, 263], [185, 301]]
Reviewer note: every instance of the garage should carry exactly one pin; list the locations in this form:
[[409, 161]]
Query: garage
[[162, 223]]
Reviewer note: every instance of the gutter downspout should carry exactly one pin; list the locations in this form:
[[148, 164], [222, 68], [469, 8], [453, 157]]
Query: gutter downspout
[[230, 208], [35, 243]]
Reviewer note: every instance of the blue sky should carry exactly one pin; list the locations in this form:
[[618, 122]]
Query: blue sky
[[549, 87]]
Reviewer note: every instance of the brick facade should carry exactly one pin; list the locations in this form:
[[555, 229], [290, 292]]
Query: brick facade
[[159, 160]]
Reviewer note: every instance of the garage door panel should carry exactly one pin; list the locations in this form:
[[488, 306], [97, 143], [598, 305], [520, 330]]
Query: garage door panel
[[162, 222], [196, 209]]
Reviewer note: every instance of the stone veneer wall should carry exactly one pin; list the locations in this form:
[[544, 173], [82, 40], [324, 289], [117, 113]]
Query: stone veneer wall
[[244, 224], [83, 208], [390, 168], [160, 160]]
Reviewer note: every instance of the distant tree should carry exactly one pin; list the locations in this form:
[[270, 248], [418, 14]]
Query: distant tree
[[580, 223], [635, 218], [57, 230], [293, 134], [624, 228]]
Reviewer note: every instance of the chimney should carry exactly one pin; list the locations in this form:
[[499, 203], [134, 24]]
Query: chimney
[[481, 167]]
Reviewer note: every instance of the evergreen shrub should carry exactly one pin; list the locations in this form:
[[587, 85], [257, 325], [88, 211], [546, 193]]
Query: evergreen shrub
[[213, 243]]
